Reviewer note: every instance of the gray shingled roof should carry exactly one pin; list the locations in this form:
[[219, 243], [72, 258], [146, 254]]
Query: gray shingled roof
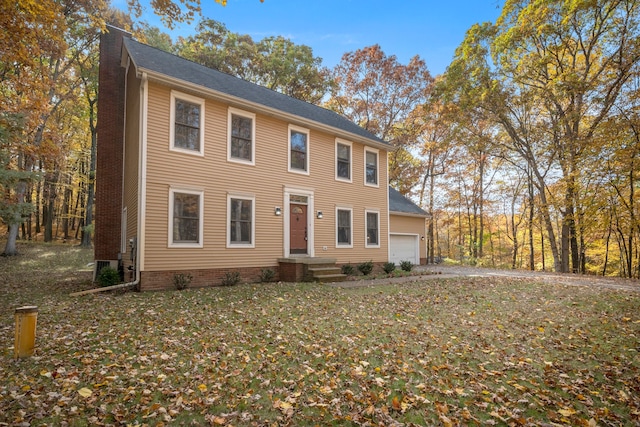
[[155, 60], [399, 203]]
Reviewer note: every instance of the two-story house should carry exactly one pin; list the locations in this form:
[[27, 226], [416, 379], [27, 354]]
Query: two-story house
[[204, 173]]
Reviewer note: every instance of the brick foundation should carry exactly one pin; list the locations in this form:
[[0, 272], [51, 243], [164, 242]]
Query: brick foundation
[[163, 280]]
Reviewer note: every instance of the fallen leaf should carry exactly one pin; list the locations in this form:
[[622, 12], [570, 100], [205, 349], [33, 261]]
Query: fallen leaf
[[85, 392], [566, 412]]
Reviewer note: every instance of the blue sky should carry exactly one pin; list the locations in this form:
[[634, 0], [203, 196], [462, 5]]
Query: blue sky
[[429, 28]]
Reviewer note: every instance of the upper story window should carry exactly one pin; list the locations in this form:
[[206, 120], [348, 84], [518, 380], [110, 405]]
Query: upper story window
[[187, 123], [344, 227], [372, 219], [241, 220], [185, 218], [371, 166], [241, 140], [298, 150], [343, 161]]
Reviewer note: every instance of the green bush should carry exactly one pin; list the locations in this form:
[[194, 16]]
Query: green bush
[[406, 265], [366, 268], [231, 278], [108, 276], [267, 275], [348, 269], [182, 280], [389, 267]]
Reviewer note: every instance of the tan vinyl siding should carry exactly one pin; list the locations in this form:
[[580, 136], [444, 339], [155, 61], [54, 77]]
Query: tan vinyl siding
[[265, 181], [409, 225], [131, 160]]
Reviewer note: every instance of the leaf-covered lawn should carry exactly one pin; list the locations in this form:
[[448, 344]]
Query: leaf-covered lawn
[[438, 352]]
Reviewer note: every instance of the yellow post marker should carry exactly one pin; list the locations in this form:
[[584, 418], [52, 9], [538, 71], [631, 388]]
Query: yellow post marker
[[25, 342]]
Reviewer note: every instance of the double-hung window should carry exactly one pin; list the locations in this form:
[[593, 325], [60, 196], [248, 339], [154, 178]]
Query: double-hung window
[[187, 123], [372, 219], [371, 167], [241, 138], [343, 161], [241, 221], [298, 150], [344, 227], [185, 218]]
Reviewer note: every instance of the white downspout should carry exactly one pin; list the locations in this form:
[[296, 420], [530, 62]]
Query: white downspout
[[142, 174]]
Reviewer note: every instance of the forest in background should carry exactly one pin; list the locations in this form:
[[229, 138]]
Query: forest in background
[[524, 152]]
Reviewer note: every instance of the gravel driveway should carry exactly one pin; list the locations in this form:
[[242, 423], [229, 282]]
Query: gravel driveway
[[435, 272]]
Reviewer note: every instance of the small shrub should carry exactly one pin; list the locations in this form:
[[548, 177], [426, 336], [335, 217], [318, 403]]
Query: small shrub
[[182, 280], [389, 267], [108, 276], [406, 265], [348, 269], [267, 275], [231, 278], [366, 268]]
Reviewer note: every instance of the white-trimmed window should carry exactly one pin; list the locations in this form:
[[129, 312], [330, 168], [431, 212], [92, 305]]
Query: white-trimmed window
[[185, 217], [298, 150], [241, 145], [240, 221], [371, 167], [187, 123], [344, 227], [343, 160], [372, 223]]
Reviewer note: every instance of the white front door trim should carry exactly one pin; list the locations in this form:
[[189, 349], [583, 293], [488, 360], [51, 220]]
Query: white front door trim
[[296, 191]]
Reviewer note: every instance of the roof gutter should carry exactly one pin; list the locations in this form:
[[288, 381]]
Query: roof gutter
[[415, 215], [240, 102]]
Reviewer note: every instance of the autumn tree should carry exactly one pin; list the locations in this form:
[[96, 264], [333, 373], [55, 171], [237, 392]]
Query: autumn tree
[[37, 81], [274, 62], [435, 140], [29, 31], [172, 12], [378, 93], [549, 73]]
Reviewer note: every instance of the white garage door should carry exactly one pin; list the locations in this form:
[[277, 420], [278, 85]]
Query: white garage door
[[404, 248]]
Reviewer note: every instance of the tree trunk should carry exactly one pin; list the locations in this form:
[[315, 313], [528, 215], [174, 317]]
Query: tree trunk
[[544, 267], [10, 248], [481, 203], [38, 206], [606, 249], [49, 199], [66, 211], [88, 219]]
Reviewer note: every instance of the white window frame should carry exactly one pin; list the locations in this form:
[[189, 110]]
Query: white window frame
[[350, 145], [175, 95], [344, 245], [241, 196], [200, 194], [377, 153], [298, 129], [366, 228], [234, 111]]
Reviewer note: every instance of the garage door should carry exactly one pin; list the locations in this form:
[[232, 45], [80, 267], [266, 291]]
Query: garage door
[[404, 248]]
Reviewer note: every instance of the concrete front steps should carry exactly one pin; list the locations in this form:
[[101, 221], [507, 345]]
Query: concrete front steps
[[307, 269], [327, 274]]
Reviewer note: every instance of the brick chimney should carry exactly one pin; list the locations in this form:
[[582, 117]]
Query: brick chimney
[[110, 149]]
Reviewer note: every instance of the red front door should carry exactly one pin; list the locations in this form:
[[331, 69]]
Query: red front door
[[298, 228]]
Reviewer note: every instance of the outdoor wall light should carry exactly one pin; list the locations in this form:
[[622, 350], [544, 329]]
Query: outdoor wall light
[[277, 211], [319, 215], [422, 238]]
